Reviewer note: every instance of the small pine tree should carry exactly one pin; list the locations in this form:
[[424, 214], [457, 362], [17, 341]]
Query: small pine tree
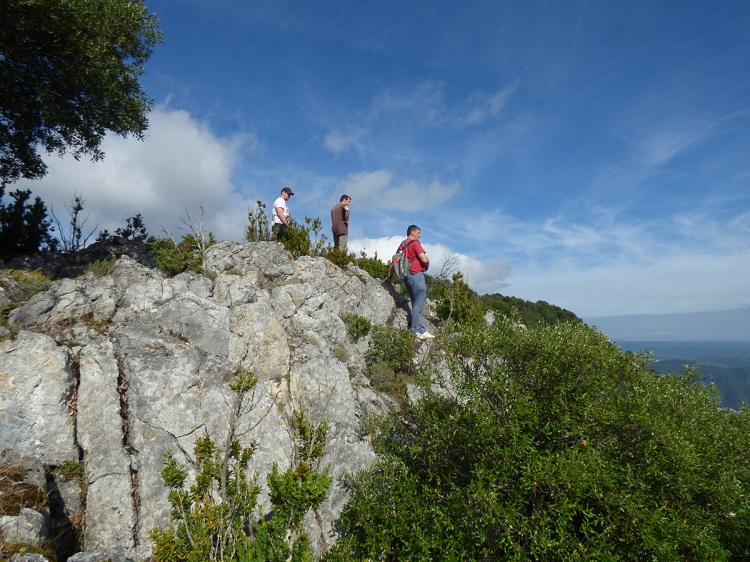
[[24, 226]]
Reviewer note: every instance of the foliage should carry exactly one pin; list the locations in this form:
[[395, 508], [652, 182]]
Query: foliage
[[258, 224], [358, 326], [529, 313], [32, 282], [305, 239], [338, 257], [24, 226], [135, 230], [392, 346], [102, 267], [69, 73], [174, 257], [390, 359], [558, 446], [218, 517], [293, 493], [456, 302], [374, 265]]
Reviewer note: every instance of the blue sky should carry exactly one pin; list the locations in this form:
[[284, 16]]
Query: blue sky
[[595, 155]]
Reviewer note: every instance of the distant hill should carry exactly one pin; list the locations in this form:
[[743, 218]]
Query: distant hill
[[530, 313], [725, 364]]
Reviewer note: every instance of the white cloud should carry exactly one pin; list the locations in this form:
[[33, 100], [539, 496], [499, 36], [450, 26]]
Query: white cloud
[[179, 165], [482, 276], [483, 107], [679, 282], [379, 190], [338, 141]]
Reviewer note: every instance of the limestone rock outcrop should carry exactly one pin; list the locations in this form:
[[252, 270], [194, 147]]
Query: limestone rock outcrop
[[118, 370]]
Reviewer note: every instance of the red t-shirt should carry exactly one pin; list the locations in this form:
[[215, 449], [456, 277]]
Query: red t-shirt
[[412, 251]]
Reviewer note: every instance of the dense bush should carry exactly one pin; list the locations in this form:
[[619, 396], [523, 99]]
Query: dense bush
[[305, 239], [373, 265], [173, 257], [390, 359], [558, 446], [341, 258], [357, 326]]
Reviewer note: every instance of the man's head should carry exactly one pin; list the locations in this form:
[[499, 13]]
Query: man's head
[[345, 198], [288, 191], [413, 232]]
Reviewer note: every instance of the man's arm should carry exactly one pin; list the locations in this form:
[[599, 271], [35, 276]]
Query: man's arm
[[280, 214], [390, 273], [424, 260]]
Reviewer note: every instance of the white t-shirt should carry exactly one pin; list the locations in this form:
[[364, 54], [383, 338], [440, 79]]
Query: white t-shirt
[[280, 202]]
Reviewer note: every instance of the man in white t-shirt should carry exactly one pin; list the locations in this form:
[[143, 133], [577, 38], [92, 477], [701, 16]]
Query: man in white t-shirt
[[281, 214]]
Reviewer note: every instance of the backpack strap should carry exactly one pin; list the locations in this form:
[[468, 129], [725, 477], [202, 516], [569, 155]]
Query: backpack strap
[[405, 246]]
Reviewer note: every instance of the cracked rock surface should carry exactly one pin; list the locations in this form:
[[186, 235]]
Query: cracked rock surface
[[118, 370]]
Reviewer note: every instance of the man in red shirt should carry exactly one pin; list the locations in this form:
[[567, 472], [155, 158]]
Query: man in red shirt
[[415, 282]]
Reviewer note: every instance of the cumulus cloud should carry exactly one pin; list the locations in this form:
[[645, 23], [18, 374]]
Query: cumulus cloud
[[381, 190], [179, 165], [486, 276]]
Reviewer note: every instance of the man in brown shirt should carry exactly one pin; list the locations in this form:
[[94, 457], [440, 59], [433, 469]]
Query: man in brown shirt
[[340, 222]]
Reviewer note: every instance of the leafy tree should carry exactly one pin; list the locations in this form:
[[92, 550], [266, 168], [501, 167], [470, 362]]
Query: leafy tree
[[557, 446], [69, 72], [24, 226]]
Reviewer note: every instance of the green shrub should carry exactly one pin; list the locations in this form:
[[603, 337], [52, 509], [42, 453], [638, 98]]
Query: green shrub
[[341, 258], [102, 267], [218, 518], [358, 326], [32, 282], [393, 347], [374, 265], [558, 446], [176, 257], [305, 239]]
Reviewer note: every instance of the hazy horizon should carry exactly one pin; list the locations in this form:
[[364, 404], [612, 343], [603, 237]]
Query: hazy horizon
[[726, 325]]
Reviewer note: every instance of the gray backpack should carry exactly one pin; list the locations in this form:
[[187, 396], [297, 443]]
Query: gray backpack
[[401, 265]]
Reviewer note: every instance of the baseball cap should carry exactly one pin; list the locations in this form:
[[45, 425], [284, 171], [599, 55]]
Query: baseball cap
[[287, 190]]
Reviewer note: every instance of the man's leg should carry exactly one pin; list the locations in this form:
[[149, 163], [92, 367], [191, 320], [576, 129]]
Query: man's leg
[[418, 293], [281, 231]]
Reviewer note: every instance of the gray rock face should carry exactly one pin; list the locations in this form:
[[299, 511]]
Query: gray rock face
[[118, 370]]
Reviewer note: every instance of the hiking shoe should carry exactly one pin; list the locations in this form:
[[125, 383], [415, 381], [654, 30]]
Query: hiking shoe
[[425, 336]]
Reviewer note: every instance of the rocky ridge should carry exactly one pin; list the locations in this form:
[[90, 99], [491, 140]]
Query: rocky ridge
[[117, 370]]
